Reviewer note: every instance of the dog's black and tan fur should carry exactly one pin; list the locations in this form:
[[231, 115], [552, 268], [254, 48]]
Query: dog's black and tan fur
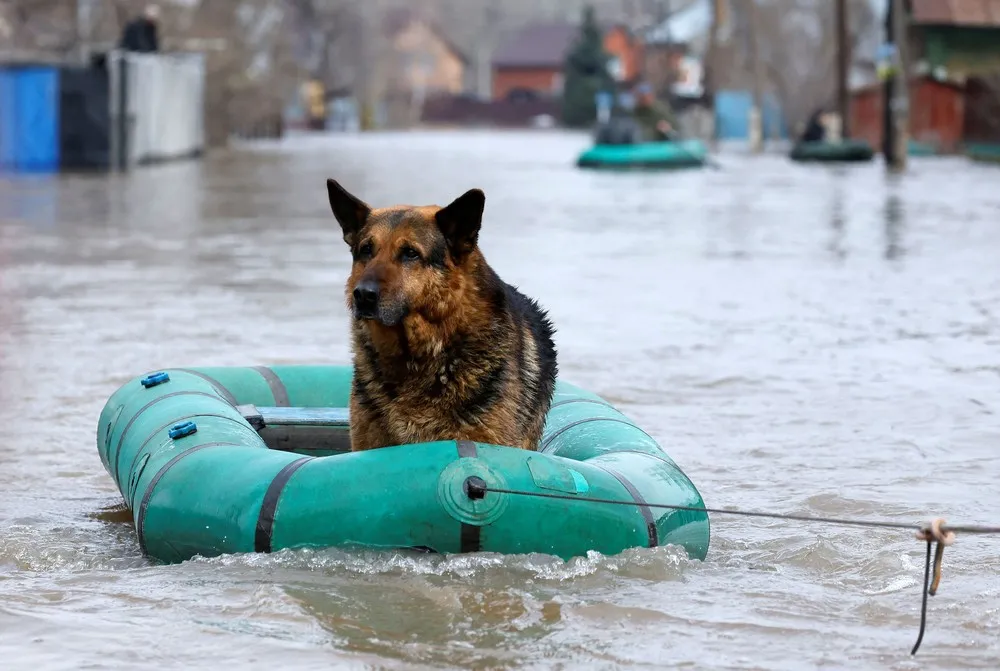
[[443, 348]]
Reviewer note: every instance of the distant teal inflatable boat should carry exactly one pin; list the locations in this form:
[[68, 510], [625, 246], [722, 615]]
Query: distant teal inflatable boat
[[984, 153], [849, 151], [646, 155]]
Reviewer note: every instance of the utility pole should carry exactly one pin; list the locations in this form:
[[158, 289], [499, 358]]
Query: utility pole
[[756, 110], [896, 107], [370, 63], [663, 19], [710, 76], [843, 69]]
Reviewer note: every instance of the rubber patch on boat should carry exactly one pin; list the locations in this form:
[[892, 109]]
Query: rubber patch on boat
[[550, 475]]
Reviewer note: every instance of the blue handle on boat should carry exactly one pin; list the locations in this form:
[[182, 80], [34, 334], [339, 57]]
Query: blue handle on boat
[[183, 429], [155, 379]]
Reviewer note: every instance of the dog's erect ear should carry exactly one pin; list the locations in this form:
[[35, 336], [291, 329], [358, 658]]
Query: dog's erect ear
[[350, 212], [460, 222]]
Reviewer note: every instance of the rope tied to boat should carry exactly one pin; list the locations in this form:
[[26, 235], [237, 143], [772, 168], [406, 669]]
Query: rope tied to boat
[[935, 532]]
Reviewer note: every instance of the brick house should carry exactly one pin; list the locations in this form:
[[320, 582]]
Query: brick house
[[959, 42], [954, 78], [530, 64], [626, 51], [937, 109]]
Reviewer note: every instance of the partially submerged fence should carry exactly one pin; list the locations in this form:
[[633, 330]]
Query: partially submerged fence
[[158, 103], [122, 110]]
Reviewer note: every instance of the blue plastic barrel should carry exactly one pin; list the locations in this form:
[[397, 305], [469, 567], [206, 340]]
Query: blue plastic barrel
[[29, 119]]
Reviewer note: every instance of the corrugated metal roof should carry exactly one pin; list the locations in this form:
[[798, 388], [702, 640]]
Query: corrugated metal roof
[[969, 13], [539, 45]]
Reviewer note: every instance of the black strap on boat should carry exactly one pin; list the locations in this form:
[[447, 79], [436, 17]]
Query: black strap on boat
[[140, 524], [647, 513], [277, 387], [218, 386], [471, 534], [268, 508]]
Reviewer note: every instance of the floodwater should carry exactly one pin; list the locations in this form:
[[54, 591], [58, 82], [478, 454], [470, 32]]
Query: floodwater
[[809, 340]]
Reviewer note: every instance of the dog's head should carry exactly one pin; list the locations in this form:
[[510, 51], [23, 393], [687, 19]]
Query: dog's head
[[403, 255]]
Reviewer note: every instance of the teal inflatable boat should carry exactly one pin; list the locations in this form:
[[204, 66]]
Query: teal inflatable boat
[[224, 460], [985, 153], [646, 155], [849, 151]]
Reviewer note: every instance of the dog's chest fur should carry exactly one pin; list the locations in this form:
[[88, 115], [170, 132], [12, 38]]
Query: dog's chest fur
[[455, 389]]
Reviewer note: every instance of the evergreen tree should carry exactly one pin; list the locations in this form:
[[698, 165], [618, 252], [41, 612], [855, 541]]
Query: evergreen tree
[[585, 73]]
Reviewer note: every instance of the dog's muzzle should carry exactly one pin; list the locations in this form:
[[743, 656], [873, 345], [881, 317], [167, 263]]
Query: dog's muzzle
[[366, 300]]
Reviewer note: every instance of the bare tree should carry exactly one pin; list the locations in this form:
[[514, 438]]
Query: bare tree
[[257, 73], [798, 46], [32, 28], [329, 40]]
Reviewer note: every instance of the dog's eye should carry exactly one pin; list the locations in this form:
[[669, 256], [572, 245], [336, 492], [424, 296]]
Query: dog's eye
[[365, 250], [409, 254]]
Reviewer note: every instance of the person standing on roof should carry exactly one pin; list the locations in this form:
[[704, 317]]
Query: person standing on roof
[[141, 33]]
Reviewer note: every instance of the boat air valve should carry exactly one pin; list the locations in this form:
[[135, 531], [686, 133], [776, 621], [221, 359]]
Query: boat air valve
[[475, 487]]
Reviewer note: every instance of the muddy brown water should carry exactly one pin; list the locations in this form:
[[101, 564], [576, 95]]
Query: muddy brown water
[[807, 340]]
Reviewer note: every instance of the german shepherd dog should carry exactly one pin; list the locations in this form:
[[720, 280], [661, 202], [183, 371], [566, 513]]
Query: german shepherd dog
[[443, 349]]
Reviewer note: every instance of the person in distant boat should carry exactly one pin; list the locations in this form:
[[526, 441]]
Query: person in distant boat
[[620, 127], [654, 117], [816, 128], [141, 34]]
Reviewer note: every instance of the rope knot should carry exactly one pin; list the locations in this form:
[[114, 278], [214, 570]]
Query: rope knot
[[936, 531]]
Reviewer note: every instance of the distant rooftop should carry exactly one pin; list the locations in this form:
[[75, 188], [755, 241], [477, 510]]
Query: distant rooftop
[[966, 13], [538, 45]]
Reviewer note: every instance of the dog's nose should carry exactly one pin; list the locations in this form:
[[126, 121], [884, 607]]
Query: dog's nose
[[366, 297]]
